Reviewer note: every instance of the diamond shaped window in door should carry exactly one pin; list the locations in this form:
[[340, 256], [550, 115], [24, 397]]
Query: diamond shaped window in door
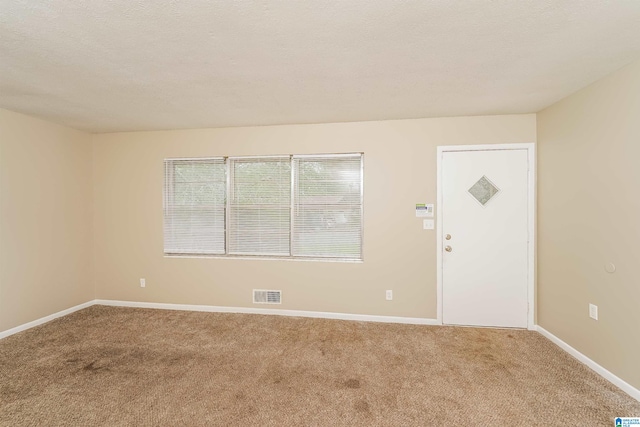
[[483, 190]]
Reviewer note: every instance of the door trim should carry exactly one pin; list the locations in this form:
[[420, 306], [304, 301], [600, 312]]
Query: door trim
[[531, 218]]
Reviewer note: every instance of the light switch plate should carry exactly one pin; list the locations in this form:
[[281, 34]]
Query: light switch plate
[[593, 311], [428, 224]]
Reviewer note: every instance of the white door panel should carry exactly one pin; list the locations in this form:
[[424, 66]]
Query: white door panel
[[485, 274]]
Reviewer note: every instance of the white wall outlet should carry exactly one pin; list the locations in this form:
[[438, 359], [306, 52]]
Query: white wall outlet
[[143, 283], [593, 311], [389, 295]]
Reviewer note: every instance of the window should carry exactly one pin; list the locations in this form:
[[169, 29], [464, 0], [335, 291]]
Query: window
[[327, 212], [260, 206], [194, 206], [280, 206]]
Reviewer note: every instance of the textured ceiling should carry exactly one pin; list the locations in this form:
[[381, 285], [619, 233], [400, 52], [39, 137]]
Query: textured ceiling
[[137, 65]]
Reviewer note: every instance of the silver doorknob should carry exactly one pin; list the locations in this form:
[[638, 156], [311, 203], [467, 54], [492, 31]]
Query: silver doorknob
[[448, 237], [448, 248]]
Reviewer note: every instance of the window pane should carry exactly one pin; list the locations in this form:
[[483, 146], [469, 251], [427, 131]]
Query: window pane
[[328, 207], [260, 206], [194, 211]]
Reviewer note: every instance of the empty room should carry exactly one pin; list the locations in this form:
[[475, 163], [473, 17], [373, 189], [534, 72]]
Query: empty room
[[319, 213]]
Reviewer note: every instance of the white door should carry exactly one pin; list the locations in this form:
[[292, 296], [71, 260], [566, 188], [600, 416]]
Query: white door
[[485, 238]]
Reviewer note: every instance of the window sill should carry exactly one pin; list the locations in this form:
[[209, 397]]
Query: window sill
[[268, 258]]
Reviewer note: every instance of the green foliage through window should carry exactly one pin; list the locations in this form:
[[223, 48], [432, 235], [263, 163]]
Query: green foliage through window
[[319, 216]]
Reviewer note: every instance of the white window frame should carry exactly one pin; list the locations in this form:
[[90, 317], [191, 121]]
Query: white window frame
[[169, 197], [229, 161], [168, 185]]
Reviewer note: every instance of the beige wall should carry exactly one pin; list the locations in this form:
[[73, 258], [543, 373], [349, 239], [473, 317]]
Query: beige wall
[[45, 219], [588, 215], [400, 171]]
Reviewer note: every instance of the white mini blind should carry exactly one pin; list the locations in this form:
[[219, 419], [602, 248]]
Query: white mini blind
[[260, 206], [327, 214], [194, 206]]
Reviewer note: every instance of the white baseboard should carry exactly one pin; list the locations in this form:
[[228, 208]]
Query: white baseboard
[[272, 311], [607, 375], [45, 319], [222, 309]]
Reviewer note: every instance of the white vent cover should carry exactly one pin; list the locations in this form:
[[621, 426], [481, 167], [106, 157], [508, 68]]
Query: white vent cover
[[261, 296]]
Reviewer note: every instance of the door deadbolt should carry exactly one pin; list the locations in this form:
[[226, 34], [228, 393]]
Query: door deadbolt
[[448, 237], [448, 248]]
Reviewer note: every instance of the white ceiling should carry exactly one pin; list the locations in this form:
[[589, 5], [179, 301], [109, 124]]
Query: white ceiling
[[137, 65]]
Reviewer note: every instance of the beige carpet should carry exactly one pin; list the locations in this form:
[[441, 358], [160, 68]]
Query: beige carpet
[[136, 367]]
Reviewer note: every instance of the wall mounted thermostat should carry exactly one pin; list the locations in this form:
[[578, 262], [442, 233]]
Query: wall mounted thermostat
[[424, 210]]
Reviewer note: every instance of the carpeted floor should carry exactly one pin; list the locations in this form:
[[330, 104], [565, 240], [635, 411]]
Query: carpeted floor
[[106, 366]]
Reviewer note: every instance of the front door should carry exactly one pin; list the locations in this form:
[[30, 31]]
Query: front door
[[485, 237]]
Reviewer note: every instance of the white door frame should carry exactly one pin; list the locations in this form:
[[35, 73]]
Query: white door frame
[[531, 220]]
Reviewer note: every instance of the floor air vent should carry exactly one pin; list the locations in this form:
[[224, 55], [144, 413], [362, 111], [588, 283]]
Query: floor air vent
[[261, 296]]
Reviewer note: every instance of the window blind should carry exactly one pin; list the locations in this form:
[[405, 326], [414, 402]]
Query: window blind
[[260, 206], [327, 217], [194, 206]]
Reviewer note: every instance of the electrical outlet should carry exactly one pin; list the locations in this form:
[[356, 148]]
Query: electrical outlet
[[143, 283], [389, 295], [593, 311]]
